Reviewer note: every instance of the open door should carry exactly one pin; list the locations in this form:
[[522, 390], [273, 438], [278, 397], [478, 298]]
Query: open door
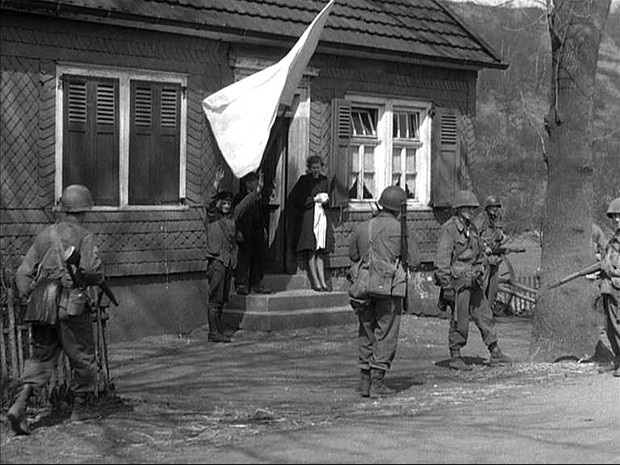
[[274, 166]]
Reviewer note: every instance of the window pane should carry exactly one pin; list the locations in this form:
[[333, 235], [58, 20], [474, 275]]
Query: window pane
[[406, 125], [396, 167], [364, 121], [410, 160], [369, 185], [410, 186], [369, 158]]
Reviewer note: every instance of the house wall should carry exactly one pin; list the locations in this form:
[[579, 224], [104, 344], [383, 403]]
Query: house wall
[[162, 250], [155, 258]]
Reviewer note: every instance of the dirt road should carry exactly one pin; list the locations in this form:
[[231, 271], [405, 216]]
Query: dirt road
[[289, 397]]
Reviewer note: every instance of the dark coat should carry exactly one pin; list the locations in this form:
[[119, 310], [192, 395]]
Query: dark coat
[[303, 207]]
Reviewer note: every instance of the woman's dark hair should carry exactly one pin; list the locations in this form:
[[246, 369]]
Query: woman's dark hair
[[312, 159]]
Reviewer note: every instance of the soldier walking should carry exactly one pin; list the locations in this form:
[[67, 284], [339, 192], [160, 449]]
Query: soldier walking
[[460, 269], [72, 331], [610, 285], [379, 318]]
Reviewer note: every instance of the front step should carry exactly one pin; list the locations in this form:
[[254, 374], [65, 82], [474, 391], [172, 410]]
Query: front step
[[294, 307]]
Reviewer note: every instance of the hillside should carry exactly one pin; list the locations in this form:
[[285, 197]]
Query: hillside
[[512, 105]]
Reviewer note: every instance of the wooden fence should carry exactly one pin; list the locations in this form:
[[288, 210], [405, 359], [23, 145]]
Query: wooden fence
[[16, 347]]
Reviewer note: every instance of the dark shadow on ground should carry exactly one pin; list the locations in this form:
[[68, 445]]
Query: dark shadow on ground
[[468, 361]]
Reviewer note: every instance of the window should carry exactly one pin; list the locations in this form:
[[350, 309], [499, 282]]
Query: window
[[390, 144], [121, 133]]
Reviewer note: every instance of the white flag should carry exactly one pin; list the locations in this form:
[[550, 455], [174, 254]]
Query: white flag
[[241, 115]]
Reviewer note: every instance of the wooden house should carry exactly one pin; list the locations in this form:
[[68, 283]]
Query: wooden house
[[108, 93]]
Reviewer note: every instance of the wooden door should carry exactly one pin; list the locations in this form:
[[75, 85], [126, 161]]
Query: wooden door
[[274, 168]]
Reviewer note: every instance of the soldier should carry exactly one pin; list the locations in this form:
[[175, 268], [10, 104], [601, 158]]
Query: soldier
[[251, 236], [221, 254], [379, 318], [489, 225], [460, 268], [610, 285], [72, 332]]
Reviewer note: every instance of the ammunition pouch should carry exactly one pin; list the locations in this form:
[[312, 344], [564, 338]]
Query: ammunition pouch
[[73, 302], [42, 304]]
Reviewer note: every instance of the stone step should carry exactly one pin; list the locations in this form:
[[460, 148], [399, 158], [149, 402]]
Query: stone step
[[278, 320], [289, 300], [287, 282]]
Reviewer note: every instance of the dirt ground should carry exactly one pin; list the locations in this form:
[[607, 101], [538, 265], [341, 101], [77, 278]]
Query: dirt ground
[[289, 397]]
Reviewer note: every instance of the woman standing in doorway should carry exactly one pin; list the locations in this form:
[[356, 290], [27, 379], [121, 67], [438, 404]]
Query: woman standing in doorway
[[315, 233]]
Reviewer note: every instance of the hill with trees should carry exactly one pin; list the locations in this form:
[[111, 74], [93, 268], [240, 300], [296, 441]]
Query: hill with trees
[[512, 104]]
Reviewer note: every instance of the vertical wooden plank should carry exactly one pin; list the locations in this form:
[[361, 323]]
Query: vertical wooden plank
[[12, 341], [3, 361], [20, 349]]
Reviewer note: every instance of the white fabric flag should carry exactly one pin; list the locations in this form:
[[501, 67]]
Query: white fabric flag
[[241, 115]]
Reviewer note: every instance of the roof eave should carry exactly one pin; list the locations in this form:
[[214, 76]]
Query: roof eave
[[115, 18]]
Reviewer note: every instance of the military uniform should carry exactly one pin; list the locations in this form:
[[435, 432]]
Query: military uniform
[[460, 268], [379, 320], [74, 334], [492, 237], [610, 291], [222, 261]]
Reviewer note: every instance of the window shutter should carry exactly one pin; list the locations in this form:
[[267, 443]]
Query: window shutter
[[91, 136], [339, 159], [154, 146], [446, 157]]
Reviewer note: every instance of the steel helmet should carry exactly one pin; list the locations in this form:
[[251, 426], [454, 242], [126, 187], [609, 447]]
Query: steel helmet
[[465, 199], [392, 198], [492, 201], [76, 198], [614, 207]]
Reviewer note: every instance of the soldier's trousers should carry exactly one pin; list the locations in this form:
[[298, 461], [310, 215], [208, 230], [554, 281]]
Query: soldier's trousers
[[612, 322], [75, 337], [469, 304], [379, 324]]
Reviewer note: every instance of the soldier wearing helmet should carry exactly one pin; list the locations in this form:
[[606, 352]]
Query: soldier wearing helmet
[[379, 318], [490, 228], [459, 271], [72, 332], [610, 285]]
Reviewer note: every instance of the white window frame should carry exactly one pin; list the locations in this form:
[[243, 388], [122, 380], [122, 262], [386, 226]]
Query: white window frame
[[125, 77], [384, 146]]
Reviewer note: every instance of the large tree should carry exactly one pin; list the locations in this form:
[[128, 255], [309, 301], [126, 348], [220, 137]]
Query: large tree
[[564, 320]]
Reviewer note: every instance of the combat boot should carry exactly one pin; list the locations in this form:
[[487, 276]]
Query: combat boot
[[498, 357], [378, 388], [17, 413], [364, 387], [81, 410], [457, 363]]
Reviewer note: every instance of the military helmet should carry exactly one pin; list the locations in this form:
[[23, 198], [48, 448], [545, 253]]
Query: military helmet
[[76, 198], [614, 207], [465, 199], [392, 198], [492, 201]]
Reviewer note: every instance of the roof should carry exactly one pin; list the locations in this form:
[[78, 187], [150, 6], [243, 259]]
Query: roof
[[426, 30]]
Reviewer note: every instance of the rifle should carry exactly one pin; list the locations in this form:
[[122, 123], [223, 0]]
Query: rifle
[[404, 252], [506, 249], [587, 270], [72, 257]]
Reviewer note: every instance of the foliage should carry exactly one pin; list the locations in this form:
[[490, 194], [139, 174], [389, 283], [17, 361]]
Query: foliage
[[512, 105]]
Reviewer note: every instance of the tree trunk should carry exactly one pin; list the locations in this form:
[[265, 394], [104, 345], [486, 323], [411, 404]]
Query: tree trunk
[[565, 322]]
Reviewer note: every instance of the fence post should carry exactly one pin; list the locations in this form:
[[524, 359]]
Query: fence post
[[12, 327]]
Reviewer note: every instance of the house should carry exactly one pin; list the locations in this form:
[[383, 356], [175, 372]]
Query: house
[[108, 93]]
